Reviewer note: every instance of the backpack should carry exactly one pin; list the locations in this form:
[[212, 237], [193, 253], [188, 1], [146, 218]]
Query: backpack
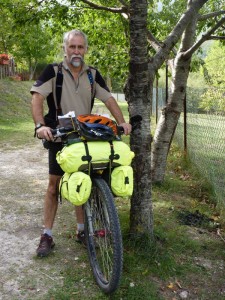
[[75, 187]]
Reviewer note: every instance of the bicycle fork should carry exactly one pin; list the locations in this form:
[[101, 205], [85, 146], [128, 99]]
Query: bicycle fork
[[100, 233]]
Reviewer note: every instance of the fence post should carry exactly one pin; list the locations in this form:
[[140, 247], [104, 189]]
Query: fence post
[[185, 125], [156, 100], [167, 82]]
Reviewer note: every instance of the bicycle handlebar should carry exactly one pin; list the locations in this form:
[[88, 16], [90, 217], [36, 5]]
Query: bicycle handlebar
[[135, 121], [62, 131]]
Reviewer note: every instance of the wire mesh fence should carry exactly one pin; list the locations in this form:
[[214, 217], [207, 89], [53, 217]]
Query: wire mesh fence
[[205, 144], [202, 135]]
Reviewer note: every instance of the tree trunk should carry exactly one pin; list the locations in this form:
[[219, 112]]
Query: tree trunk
[[32, 70], [138, 95], [171, 112]]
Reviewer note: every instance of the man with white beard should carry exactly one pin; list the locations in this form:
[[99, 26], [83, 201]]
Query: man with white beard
[[80, 85]]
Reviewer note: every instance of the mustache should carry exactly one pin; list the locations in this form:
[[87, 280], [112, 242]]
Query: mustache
[[76, 56]]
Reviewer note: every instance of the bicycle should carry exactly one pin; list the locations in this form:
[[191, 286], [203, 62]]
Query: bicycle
[[102, 226]]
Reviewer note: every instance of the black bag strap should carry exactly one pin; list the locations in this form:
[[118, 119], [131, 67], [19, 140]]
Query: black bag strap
[[59, 83], [113, 155], [86, 157], [91, 80]]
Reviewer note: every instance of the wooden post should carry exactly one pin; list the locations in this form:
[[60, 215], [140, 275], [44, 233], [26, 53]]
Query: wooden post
[[185, 125], [156, 100]]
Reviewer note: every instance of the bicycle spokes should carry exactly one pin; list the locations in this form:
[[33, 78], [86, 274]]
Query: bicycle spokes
[[104, 237]]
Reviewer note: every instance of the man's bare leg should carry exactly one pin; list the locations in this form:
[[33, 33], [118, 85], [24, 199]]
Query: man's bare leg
[[50, 209], [80, 225], [51, 201]]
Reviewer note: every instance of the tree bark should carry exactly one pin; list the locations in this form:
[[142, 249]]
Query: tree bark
[[138, 95]]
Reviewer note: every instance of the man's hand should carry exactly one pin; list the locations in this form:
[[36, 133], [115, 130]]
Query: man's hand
[[126, 127], [115, 110], [45, 133]]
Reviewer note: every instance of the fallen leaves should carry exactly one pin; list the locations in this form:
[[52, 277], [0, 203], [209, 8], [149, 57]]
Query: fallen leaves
[[176, 288]]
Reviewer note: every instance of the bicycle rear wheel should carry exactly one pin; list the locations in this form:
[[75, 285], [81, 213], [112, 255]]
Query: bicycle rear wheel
[[104, 240]]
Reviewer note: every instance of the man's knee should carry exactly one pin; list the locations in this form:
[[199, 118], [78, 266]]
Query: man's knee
[[53, 185]]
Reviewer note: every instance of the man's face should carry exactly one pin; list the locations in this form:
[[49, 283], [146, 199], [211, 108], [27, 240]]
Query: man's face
[[75, 50]]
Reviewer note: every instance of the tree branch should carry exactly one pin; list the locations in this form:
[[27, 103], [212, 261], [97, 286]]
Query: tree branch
[[211, 15], [205, 37], [176, 33], [156, 45], [217, 37], [123, 9]]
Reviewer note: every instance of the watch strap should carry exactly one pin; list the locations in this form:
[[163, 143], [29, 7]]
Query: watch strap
[[39, 125]]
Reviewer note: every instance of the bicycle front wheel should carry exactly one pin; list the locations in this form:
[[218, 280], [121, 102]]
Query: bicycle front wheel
[[104, 240]]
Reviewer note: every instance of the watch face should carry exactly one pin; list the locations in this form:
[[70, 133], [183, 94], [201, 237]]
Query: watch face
[[39, 125]]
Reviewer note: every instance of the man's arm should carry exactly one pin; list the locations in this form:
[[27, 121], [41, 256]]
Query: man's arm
[[115, 110], [37, 109]]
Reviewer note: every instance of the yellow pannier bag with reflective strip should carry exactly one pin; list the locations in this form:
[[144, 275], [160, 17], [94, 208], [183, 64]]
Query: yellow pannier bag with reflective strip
[[75, 187], [75, 157], [122, 181]]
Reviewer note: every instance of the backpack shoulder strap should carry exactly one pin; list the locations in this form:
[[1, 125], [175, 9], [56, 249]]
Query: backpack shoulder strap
[[91, 80], [59, 83]]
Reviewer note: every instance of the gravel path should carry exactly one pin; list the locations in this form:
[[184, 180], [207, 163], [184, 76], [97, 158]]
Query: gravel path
[[23, 182]]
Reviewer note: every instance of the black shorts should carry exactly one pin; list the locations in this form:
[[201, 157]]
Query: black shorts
[[54, 167]]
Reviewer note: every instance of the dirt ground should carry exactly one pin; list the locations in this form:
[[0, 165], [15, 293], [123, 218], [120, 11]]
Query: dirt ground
[[23, 174]]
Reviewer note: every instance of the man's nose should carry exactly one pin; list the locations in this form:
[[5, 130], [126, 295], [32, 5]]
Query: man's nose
[[76, 50]]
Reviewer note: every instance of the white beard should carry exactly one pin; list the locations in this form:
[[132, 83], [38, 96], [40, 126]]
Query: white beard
[[76, 63]]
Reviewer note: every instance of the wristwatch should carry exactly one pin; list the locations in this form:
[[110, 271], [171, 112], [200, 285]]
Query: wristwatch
[[38, 125]]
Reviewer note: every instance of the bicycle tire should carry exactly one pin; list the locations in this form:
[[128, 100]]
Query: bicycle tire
[[103, 237]]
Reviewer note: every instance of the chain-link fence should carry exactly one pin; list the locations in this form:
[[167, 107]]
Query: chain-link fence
[[205, 142], [202, 135]]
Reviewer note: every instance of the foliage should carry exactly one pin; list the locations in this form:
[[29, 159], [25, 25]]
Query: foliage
[[163, 15], [213, 99], [28, 42], [107, 32], [33, 45], [5, 28]]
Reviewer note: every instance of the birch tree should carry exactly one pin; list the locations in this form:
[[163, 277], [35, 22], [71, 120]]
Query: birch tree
[[180, 67]]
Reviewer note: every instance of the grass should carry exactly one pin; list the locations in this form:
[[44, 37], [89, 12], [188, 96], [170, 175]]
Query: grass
[[15, 116], [180, 258]]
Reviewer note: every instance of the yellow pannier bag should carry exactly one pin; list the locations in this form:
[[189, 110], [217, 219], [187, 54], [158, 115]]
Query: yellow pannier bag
[[122, 181], [75, 157], [75, 187]]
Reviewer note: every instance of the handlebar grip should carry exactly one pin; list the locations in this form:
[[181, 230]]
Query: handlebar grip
[[53, 131], [120, 130], [61, 131]]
